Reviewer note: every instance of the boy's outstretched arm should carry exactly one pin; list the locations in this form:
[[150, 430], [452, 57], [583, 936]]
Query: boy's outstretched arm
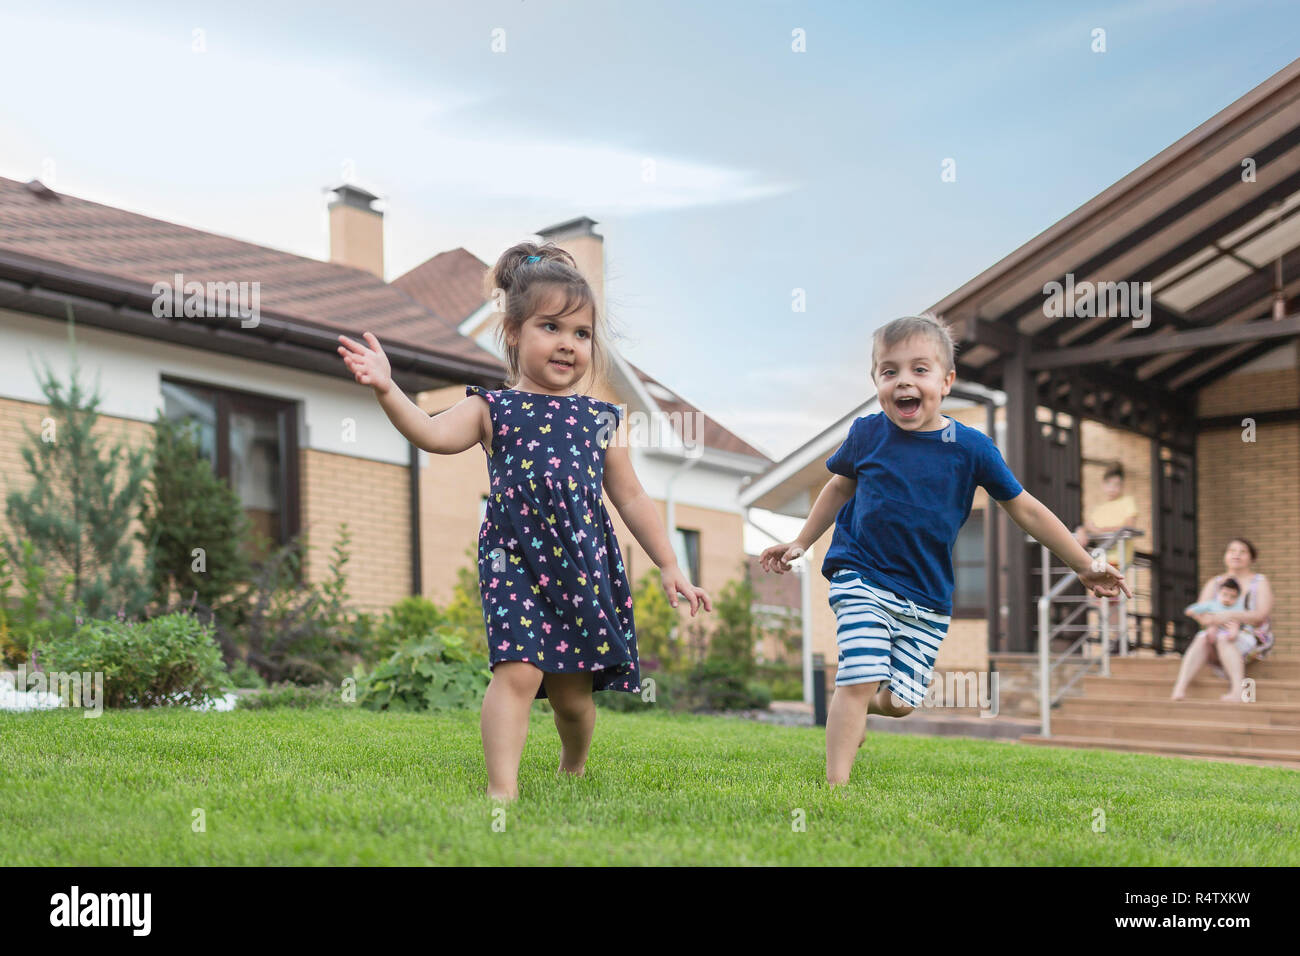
[[834, 494], [1104, 580]]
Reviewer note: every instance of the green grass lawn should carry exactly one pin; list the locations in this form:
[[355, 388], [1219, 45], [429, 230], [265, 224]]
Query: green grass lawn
[[356, 787]]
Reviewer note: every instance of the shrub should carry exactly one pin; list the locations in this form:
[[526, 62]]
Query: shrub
[[464, 612], [243, 676], [293, 695], [287, 629], [170, 660], [786, 688], [667, 695], [716, 684], [435, 672], [42, 610], [409, 619], [737, 631]]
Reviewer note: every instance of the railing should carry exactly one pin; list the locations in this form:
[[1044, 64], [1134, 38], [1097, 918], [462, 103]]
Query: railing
[[1046, 631]]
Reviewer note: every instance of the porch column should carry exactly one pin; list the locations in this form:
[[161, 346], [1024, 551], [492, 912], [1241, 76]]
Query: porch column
[[1018, 383]]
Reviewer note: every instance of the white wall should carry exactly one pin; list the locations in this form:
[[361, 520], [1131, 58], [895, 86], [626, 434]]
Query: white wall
[[130, 370]]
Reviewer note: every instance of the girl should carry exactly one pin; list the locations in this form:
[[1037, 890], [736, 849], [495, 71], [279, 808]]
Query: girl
[[556, 599]]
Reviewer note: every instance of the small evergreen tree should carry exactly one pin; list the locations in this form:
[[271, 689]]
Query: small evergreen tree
[[75, 513], [193, 523], [736, 630], [656, 624]]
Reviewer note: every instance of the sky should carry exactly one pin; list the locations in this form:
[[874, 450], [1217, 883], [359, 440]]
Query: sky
[[726, 169]]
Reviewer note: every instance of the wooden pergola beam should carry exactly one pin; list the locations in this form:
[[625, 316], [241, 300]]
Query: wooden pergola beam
[[1161, 344]]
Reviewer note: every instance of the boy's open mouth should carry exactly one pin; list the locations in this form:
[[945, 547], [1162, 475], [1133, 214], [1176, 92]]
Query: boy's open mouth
[[907, 407]]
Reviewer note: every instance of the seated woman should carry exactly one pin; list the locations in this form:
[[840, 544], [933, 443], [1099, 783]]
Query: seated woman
[[1235, 636]]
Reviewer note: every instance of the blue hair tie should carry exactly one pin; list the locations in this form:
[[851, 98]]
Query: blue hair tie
[[533, 259]]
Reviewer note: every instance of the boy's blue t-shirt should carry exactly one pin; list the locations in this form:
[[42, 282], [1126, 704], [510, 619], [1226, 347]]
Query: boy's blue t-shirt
[[914, 493]]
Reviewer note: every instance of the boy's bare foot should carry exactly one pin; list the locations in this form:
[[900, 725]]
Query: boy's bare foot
[[580, 772]]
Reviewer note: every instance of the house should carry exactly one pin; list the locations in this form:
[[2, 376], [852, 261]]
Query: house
[[243, 338], [1155, 325], [282, 419]]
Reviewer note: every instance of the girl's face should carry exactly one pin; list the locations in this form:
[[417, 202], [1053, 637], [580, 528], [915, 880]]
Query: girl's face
[[1237, 556], [911, 384], [554, 351], [1113, 486]]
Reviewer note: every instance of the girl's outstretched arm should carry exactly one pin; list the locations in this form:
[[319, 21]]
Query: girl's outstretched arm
[[642, 518], [463, 425]]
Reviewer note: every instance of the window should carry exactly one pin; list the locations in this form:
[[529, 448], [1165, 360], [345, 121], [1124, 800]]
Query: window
[[252, 443], [686, 545], [970, 579]]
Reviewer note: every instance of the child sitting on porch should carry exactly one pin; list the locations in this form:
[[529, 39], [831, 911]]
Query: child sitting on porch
[[1226, 600], [902, 486]]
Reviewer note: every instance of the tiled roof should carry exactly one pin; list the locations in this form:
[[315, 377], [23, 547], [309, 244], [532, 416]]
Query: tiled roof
[[451, 283], [84, 235], [461, 271], [713, 434]]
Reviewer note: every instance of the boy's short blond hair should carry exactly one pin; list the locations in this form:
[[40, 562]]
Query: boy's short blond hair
[[925, 324]]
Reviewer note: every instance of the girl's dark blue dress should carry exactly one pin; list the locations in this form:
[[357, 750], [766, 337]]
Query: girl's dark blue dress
[[554, 590]]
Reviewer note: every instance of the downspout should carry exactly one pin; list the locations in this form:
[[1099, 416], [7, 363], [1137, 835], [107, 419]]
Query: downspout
[[417, 584]]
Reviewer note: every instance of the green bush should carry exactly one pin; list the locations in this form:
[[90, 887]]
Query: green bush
[[409, 619], [435, 672], [285, 694], [287, 628], [718, 684], [243, 676], [786, 688], [42, 611], [169, 660], [666, 688]]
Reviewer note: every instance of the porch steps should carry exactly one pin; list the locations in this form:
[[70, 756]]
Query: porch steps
[[1131, 711], [1214, 710], [1289, 759], [1202, 688]]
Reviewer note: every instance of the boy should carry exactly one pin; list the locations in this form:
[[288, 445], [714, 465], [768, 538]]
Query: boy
[[903, 484]]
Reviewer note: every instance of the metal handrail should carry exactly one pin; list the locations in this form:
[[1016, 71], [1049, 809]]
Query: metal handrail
[[1046, 700]]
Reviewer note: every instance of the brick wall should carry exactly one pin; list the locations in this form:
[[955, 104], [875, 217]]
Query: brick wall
[[374, 499], [1252, 489]]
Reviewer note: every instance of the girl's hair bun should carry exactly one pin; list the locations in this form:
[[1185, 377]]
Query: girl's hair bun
[[517, 263]]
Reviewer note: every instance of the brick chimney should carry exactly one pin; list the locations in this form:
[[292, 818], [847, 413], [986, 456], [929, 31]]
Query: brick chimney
[[586, 246], [356, 230]]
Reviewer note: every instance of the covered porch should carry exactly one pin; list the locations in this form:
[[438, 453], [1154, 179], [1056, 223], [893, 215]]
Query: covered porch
[[1157, 326]]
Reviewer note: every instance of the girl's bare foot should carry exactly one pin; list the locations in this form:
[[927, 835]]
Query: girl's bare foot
[[1177, 695], [1230, 696]]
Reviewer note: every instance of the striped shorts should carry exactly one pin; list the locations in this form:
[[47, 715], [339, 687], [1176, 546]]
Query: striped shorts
[[884, 637]]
